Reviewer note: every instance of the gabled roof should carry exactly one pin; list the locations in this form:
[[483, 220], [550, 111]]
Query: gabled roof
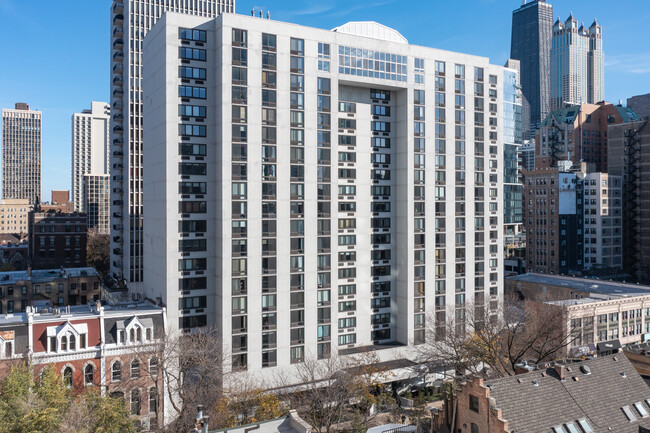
[[597, 397], [562, 115]]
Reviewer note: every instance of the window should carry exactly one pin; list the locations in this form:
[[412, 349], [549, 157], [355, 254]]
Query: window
[[195, 35], [89, 375], [642, 410], [67, 377], [153, 400], [135, 402], [586, 427], [571, 427], [628, 413], [116, 371], [473, 403], [474, 428]]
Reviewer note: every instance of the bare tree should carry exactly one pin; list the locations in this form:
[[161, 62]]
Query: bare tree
[[98, 251], [497, 339], [329, 388], [189, 368]]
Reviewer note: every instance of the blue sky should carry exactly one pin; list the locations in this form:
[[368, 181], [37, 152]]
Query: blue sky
[[55, 54]]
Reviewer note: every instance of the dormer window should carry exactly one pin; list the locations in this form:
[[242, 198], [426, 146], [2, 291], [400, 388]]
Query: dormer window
[[67, 337], [135, 330]]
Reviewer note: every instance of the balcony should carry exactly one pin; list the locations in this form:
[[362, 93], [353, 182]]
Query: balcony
[[118, 129], [118, 44], [117, 238], [118, 166], [118, 178], [118, 92], [118, 7], [118, 56], [118, 68], [119, 117], [118, 227], [118, 19], [117, 263], [117, 251], [118, 31], [118, 81], [118, 153], [118, 142], [117, 215]]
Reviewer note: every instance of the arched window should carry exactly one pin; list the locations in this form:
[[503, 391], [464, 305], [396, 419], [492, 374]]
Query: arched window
[[135, 402], [139, 332], [116, 371], [64, 343], [73, 343], [132, 336], [67, 377], [135, 368], [89, 375]]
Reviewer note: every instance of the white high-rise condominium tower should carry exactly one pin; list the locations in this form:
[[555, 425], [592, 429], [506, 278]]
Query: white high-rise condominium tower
[[311, 192], [577, 64], [90, 157], [21, 153], [130, 22]]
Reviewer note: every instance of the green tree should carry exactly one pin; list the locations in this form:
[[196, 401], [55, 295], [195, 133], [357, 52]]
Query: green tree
[[46, 405]]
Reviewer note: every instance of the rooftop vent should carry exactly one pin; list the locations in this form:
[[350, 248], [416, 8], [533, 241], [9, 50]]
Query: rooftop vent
[[575, 378], [615, 358], [535, 383], [623, 375], [585, 369]]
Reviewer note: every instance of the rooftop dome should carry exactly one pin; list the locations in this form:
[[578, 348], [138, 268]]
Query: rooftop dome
[[371, 29]]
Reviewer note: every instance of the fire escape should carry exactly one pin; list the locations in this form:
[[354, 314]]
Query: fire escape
[[555, 140], [631, 202]]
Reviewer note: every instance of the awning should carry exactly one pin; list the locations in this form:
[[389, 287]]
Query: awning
[[607, 346]]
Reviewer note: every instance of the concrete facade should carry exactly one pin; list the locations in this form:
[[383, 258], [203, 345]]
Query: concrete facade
[[129, 24], [301, 137], [90, 149]]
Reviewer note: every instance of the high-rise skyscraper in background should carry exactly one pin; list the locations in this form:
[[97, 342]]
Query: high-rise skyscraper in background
[[577, 64], [130, 22], [21, 153], [310, 192], [90, 164], [532, 29]]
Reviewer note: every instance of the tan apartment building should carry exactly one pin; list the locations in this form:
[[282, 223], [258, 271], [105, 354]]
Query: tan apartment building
[[578, 133], [14, 214]]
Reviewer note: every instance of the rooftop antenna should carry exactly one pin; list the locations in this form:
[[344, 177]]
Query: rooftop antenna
[[261, 13], [268, 15], [253, 12]]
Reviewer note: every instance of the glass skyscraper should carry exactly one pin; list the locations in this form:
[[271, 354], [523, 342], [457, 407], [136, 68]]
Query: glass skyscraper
[[532, 30]]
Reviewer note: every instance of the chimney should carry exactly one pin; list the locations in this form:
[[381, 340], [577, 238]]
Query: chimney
[[561, 371], [29, 270]]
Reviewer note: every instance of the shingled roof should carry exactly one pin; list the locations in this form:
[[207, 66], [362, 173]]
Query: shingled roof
[[538, 401]]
